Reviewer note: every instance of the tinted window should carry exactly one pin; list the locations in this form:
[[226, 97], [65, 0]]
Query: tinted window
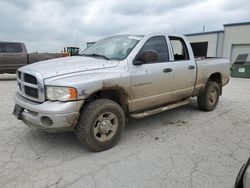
[[13, 48], [179, 49], [159, 45]]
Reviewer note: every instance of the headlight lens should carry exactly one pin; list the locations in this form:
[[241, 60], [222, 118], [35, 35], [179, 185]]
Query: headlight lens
[[61, 93]]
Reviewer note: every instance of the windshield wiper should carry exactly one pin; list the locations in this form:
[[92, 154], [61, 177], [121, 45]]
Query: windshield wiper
[[96, 55]]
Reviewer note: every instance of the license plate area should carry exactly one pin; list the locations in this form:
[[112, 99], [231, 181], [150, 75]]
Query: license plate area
[[18, 110]]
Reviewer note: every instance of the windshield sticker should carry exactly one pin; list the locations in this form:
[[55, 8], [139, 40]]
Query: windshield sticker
[[135, 37]]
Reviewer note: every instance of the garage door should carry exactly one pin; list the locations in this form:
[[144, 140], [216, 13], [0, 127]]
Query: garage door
[[239, 49]]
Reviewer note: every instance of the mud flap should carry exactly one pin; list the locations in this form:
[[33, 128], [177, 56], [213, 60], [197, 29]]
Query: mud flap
[[18, 110]]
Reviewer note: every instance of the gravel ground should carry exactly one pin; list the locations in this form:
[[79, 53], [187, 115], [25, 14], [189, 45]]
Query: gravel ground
[[184, 147]]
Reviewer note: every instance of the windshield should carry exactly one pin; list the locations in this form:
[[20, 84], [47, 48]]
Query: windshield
[[113, 48]]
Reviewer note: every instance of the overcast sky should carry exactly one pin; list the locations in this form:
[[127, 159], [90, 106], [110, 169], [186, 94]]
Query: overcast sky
[[49, 25]]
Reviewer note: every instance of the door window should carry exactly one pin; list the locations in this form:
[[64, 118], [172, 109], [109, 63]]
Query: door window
[[13, 48], [179, 49], [2, 48], [157, 44]]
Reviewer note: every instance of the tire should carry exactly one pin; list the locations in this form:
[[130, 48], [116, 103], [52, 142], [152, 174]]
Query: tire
[[209, 98], [100, 124]]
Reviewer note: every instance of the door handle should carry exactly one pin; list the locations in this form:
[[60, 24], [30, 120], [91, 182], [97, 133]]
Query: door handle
[[191, 67], [167, 70]]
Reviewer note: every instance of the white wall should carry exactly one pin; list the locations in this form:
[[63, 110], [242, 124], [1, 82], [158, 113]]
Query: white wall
[[220, 44], [235, 35]]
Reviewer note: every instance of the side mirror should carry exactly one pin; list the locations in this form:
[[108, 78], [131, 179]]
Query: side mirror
[[146, 57]]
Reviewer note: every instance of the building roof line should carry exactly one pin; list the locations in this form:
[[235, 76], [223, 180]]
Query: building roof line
[[205, 33], [236, 24]]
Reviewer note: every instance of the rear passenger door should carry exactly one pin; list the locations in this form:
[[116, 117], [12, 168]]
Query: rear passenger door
[[15, 56], [184, 69]]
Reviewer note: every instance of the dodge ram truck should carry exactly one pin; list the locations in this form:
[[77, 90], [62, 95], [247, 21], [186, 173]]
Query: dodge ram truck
[[13, 55], [118, 77]]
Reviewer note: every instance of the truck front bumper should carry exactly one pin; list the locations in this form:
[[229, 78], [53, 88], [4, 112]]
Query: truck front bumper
[[48, 116]]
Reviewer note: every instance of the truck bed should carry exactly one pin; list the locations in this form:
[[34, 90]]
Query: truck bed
[[207, 66]]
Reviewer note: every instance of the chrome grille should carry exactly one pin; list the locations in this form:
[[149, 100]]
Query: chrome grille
[[33, 92], [30, 85], [30, 79]]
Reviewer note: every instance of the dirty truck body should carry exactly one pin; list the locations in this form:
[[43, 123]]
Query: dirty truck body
[[13, 55], [116, 78]]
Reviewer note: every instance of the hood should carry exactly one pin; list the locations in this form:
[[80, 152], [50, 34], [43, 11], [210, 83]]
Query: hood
[[67, 65]]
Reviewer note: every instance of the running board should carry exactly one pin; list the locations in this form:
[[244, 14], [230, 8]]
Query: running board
[[158, 110]]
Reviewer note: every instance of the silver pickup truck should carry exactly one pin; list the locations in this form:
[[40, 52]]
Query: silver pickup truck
[[116, 78]]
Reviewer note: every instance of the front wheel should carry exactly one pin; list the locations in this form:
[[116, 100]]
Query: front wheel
[[209, 98], [100, 124]]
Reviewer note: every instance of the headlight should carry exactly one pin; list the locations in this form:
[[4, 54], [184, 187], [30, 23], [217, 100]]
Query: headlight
[[55, 93]]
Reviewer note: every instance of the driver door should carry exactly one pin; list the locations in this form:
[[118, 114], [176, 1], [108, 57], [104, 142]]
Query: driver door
[[151, 82]]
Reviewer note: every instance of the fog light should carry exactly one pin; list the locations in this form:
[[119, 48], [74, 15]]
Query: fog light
[[46, 121]]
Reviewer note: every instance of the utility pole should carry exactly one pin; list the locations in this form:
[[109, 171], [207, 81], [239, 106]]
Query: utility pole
[[203, 29]]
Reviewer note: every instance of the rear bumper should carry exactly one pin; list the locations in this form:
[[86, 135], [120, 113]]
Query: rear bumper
[[49, 116]]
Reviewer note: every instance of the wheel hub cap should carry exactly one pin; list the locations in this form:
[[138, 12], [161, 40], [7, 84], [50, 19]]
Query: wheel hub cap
[[212, 97], [106, 126]]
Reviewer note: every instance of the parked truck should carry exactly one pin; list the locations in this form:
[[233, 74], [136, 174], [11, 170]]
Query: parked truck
[[116, 78], [13, 55]]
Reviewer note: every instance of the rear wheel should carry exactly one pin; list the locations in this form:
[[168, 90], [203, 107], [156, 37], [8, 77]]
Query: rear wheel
[[209, 98], [100, 124]]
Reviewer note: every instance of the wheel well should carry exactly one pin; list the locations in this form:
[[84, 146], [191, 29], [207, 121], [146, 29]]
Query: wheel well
[[117, 95], [216, 77]]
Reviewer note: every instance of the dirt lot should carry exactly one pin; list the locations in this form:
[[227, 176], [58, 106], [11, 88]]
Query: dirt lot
[[184, 147]]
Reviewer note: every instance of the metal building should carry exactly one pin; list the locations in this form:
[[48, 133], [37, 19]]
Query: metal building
[[230, 42]]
